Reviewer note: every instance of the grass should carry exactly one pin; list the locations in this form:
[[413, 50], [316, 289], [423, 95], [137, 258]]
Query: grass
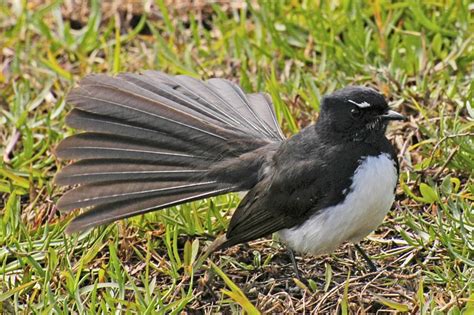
[[420, 55]]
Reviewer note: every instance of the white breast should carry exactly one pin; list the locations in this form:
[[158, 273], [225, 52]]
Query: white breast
[[371, 196]]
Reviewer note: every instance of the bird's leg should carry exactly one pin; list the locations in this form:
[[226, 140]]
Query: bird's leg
[[291, 253], [371, 264], [218, 241]]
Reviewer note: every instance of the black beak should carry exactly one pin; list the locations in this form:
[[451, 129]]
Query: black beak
[[392, 115]]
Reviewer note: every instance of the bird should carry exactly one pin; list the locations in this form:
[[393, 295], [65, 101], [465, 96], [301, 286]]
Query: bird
[[151, 141]]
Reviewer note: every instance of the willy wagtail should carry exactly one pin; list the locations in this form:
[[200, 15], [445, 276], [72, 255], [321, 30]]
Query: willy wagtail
[[153, 141]]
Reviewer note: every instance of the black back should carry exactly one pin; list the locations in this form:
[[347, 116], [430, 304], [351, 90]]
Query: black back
[[313, 169]]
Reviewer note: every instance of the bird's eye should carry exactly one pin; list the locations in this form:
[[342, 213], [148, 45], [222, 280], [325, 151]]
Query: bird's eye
[[356, 112]]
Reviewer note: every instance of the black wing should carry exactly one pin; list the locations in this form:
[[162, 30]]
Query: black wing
[[294, 189], [304, 177]]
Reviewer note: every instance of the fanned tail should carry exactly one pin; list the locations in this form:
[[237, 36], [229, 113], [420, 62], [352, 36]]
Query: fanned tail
[[153, 141]]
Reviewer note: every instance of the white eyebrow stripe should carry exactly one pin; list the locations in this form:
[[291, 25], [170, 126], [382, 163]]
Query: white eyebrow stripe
[[364, 104]]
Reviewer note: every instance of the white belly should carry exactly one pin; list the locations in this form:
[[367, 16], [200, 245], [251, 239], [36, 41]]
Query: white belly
[[362, 211]]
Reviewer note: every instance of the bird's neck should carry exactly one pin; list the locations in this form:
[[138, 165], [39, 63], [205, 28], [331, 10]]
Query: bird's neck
[[373, 137]]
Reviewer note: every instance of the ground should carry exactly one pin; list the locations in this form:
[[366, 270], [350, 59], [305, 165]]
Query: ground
[[420, 55]]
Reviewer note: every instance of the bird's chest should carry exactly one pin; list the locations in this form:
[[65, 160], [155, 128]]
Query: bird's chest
[[366, 203]]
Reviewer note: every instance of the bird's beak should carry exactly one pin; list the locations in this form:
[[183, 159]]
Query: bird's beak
[[392, 115]]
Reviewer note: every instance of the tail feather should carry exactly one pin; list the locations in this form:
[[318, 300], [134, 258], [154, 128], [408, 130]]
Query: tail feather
[[107, 192], [119, 99], [166, 90], [133, 133], [240, 103], [103, 146], [97, 124], [152, 141], [201, 93], [264, 109], [107, 170], [224, 98], [110, 212]]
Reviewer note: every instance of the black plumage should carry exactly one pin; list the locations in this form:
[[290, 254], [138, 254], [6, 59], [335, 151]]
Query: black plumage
[[153, 141]]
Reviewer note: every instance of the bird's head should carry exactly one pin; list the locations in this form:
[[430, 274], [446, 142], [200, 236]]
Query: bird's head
[[357, 113]]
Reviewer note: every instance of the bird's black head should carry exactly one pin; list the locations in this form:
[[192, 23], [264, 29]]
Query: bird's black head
[[357, 113]]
